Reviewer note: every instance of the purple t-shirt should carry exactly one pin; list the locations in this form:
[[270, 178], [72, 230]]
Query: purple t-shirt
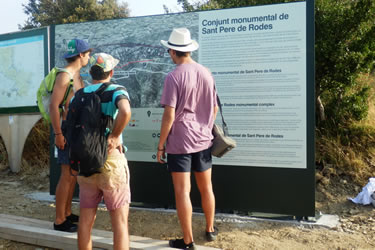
[[190, 89]]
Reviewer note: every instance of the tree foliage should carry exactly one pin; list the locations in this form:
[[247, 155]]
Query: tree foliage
[[47, 12], [345, 48], [224, 4]]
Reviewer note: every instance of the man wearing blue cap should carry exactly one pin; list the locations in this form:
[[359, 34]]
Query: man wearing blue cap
[[67, 82]]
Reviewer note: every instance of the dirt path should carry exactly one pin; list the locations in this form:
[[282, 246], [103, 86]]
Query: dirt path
[[356, 230]]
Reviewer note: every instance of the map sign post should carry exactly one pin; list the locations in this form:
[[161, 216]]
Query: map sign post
[[23, 64]]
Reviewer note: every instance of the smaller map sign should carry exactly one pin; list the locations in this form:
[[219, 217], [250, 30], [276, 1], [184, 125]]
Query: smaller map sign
[[21, 70]]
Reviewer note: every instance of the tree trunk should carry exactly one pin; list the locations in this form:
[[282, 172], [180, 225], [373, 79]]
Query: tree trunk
[[320, 109]]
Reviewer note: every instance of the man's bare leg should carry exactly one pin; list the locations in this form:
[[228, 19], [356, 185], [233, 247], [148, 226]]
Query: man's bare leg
[[85, 225], [119, 220], [182, 186], [204, 184], [68, 208], [62, 196]]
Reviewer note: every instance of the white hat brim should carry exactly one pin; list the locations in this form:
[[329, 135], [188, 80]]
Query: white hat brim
[[188, 48], [113, 65], [115, 62]]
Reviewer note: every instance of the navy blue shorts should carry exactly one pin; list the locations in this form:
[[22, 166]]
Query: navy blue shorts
[[63, 156], [198, 162]]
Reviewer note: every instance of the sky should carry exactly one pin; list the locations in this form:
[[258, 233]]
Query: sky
[[11, 12]]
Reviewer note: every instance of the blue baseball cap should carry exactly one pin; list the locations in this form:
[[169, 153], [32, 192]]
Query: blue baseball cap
[[75, 47]]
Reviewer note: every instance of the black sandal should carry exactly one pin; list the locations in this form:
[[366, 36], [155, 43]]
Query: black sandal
[[180, 244], [211, 236], [66, 226], [73, 218]]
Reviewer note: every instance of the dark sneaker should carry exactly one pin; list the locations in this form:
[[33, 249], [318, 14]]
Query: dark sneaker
[[180, 244], [66, 226], [73, 218], [211, 236]]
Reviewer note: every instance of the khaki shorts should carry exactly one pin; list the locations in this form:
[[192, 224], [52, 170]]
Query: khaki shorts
[[112, 185]]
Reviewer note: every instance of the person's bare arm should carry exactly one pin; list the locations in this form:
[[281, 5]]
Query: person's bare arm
[[61, 85], [121, 121], [215, 111]]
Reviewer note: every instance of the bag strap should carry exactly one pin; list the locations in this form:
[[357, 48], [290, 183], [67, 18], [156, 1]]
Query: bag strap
[[102, 88], [99, 92], [224, 125], [68, 89], [66, 71]]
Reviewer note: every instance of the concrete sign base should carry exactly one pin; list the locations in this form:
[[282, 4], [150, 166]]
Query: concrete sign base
[[14, 130]]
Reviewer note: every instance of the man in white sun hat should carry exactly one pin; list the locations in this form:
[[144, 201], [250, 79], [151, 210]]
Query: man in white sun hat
[[112, 183], [189, 101]]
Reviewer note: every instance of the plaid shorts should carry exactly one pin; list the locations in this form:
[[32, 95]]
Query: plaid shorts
[[112, 185]]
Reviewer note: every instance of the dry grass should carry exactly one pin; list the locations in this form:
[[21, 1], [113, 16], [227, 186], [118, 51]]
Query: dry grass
[[370, 120], [3, 153], [36, 149], [346, 161]]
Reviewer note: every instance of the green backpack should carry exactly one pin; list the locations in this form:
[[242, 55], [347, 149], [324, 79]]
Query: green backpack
[[44, 92]]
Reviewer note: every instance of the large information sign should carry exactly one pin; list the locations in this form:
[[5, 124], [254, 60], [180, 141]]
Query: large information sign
[[262, 59], [257, 56]]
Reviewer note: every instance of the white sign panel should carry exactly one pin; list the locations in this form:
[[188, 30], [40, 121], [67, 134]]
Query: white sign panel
[[258, 58]]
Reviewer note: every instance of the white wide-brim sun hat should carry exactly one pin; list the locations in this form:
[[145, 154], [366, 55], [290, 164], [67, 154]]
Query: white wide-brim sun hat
[[180, 40]]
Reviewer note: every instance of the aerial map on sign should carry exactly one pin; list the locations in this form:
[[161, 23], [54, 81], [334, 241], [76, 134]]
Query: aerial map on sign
[[21, 70], [144, 62]]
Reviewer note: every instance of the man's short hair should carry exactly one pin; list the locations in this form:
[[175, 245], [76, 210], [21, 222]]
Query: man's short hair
[[97, 73], [181, 54], [72, 59]]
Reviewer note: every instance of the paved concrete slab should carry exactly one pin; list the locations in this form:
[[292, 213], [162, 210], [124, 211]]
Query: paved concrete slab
[[41, 233]]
